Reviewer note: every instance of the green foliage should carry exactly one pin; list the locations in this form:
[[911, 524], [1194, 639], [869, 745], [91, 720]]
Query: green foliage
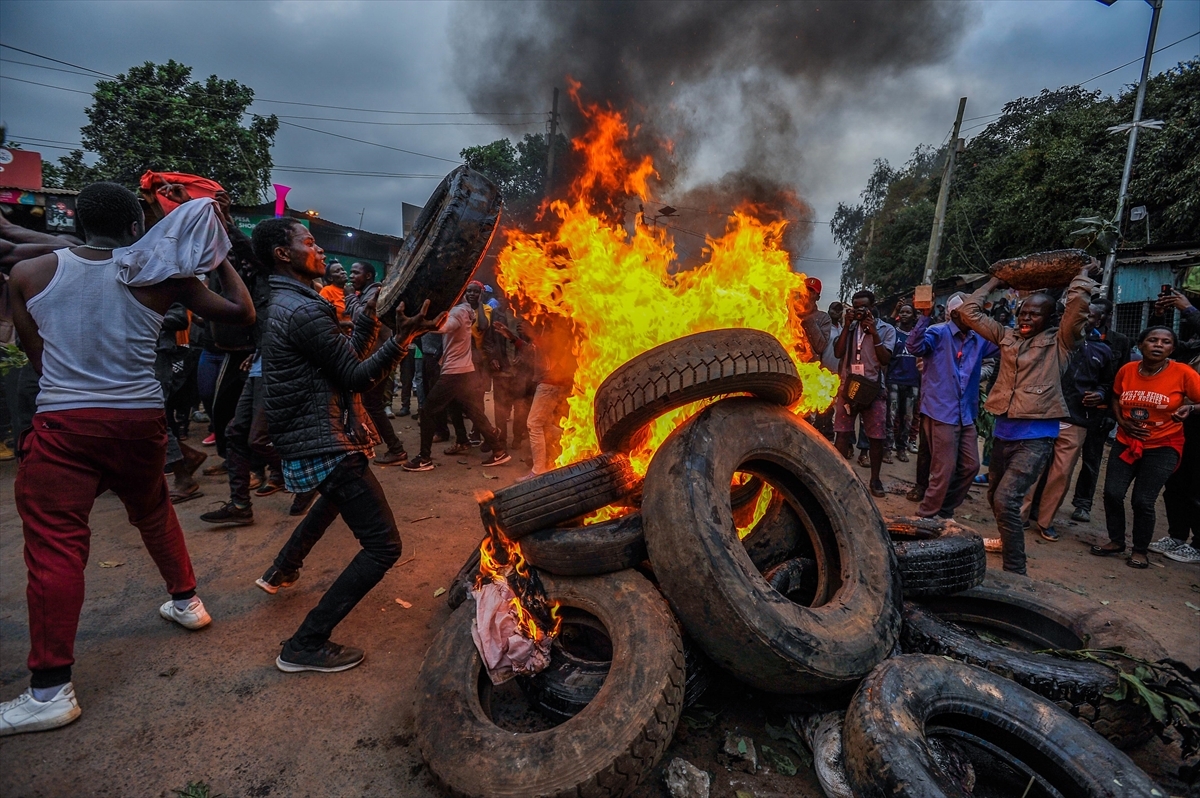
[[11, 357], [1042, 176], [196, 789], [70, 172], [519, 169], [157, 117], [1169, 689]]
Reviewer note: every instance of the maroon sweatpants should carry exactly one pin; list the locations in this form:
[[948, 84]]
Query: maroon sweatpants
[[68, 459]]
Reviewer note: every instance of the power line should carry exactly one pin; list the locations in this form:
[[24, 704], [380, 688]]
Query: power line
[[372, 143], [46, 85], [43, 66], [55, 60], [1134, 61], [89, 72], [409, 124]]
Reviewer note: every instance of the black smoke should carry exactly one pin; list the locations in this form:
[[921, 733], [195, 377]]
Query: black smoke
[[737, 77]]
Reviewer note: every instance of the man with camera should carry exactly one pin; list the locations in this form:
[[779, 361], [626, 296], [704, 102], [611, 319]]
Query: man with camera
[[865, 348]]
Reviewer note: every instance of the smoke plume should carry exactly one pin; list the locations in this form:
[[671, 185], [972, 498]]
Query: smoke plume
[[722, 93]]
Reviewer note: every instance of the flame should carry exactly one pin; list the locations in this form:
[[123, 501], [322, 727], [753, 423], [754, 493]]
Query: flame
[[620, 291], [498, 558], [760, 509]]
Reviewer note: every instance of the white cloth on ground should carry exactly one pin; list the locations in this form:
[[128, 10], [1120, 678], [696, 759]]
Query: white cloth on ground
[[190, 241], [506, 652]]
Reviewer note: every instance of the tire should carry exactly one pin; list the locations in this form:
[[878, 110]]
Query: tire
[[936, 557], [909, 699], [562, 494], [685, 370], [723, 601], [1041, 616], [588, 550], [464, 580], [823, 733], [778, 536], [571, 682], [605, 750], [445, 245]]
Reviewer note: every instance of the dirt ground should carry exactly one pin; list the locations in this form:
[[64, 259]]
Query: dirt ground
[[163, 707]]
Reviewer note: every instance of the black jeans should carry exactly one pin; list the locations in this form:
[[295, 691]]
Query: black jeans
[[352, 492], [230, 382], [461, 388], [1148, 475], [1015, 467], [1182, 494], [509, 399], [245, 437], [1089, 465], [373, 403], [408, 372]]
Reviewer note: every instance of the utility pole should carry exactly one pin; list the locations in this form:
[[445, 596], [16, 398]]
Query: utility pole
[[550, 143], [1132, 128], [939, 215]]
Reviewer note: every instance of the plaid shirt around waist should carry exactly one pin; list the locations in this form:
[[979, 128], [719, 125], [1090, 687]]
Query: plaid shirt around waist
[[307, 473]]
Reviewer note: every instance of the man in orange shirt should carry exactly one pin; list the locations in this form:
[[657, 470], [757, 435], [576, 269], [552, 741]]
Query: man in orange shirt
[[334, 291]]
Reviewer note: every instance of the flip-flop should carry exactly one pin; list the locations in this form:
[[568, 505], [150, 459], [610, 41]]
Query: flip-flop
[[1100, 551], [1132, 563], [180, 498]]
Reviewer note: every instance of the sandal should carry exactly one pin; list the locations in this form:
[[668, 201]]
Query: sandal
[[1132, 563], [179, 497], [1104, 551]]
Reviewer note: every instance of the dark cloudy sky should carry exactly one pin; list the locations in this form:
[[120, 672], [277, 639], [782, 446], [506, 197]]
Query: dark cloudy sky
[[840, 108]]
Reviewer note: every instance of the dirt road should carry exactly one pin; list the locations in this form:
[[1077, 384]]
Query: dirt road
[[163, 707]]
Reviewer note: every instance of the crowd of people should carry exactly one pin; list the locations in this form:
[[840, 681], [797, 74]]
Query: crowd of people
[[1048, 386], [286, 359]]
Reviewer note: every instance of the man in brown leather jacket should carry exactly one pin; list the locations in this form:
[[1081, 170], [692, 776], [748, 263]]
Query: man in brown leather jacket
[[1027, 398]]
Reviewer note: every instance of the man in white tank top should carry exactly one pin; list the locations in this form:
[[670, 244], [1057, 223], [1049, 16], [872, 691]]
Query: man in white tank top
[[100, 426]]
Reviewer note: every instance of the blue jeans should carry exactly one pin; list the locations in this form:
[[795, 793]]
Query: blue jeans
[[1015, 467]]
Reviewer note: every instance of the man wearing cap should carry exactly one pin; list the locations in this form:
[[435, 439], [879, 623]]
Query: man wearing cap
[[817, 324], [952, 355]]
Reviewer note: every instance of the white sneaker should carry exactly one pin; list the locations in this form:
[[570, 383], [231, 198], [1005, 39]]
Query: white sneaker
[[1183, 553], [194, 617], [26, 714], [993, 544], [1163, 545]]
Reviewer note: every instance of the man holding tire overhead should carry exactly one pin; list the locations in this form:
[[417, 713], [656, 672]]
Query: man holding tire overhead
[[1027, 399], [865, 348]]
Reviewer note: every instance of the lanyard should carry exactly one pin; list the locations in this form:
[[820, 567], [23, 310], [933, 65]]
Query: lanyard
[[859, 335]]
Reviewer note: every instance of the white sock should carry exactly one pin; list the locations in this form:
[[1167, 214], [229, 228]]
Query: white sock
[[44, 694]]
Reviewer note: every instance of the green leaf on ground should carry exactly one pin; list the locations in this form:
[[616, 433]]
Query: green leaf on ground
[[781, 762]]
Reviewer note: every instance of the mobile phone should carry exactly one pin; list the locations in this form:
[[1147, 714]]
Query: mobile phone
[[1167, 290]]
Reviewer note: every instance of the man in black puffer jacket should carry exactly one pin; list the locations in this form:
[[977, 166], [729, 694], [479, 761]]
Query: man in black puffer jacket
[[313, 377]]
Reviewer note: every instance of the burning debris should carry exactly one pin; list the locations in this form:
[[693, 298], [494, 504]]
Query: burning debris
[[515, 624], [619, 289]]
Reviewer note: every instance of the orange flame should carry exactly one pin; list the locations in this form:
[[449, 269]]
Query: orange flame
[[618, 289], [498, 556]]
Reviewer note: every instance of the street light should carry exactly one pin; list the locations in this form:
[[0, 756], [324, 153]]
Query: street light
[[1132, 128]]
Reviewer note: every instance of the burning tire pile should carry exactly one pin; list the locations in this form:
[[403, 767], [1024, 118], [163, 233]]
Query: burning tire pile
[[751, 547]]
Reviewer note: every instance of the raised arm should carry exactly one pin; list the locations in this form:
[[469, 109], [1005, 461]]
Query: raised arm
[[919, 341], [1074, 320], [973, 315], [235, 308]]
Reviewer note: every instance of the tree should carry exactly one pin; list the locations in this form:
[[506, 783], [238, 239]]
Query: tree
[[1022, 183], [157, 117], [519, 170]]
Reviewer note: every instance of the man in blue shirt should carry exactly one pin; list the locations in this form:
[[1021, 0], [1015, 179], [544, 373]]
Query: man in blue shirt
[[952, 354]]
